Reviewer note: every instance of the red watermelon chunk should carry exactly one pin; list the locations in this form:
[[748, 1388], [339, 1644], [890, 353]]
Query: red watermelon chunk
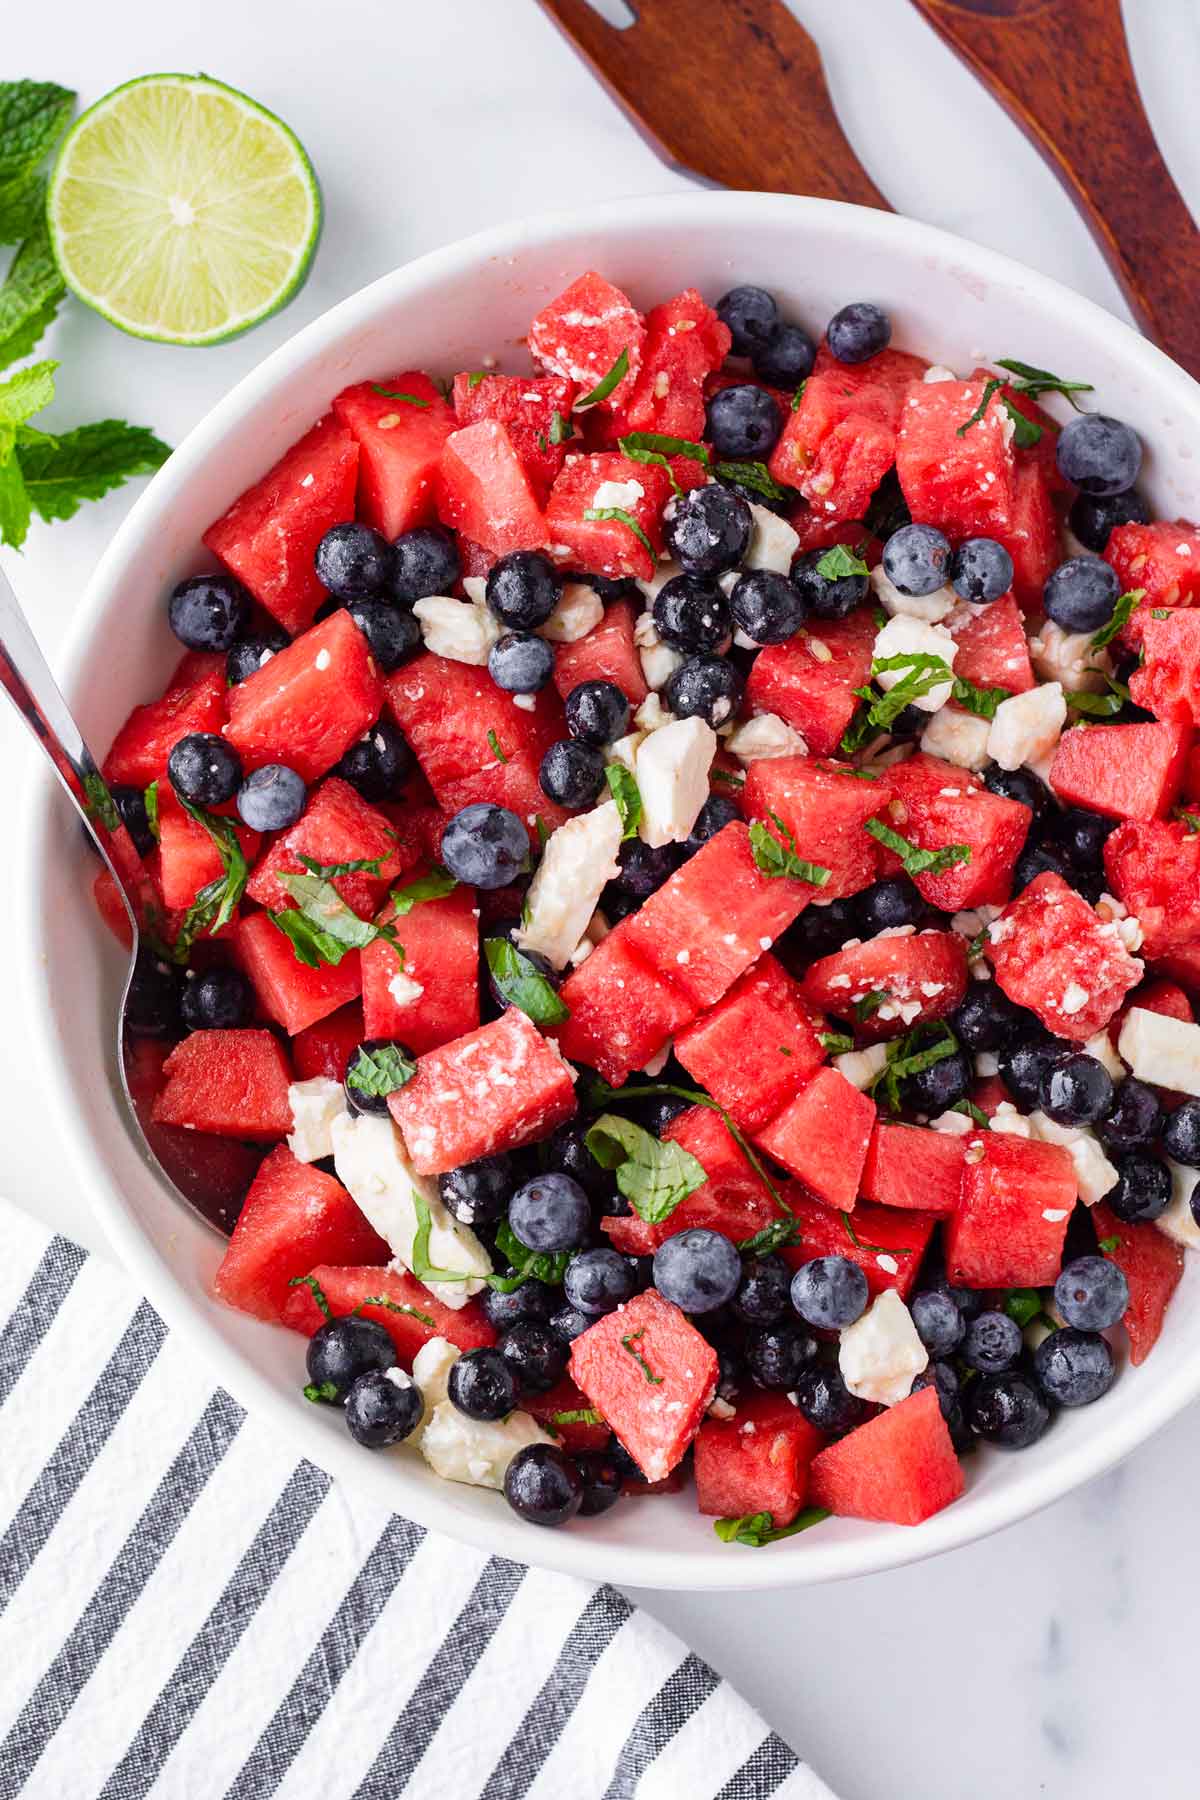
[[346, 1288], [757, 1461], [326, 1047], [607, 653], [600, 484], [1152, 1264], [495, 1089], [734, 1200], [756, 1048], [484, 491], [622, 1011], [447, 710], [825, 806], [399, 448], [287, 990], [535, 410], [964, 484], [1031, 538], [234, 1083], [910, 1167], [685, 342], [923, 974], [110, 904], [840, 442], [1052, 954], [309, 703], [582, 333], [714, 917], [899, 1468], [936, 804], [1122, 771], [440, 939], [1153, 868], [992, 647], [1163, 559], [188, 857], [652, 1375], [1168, 685], [822, 1136], [336, 826], [810, 680], [194, 701], [887, 1242], [575, 1435], [1183, 965], [269, 536], [1017, 1198]]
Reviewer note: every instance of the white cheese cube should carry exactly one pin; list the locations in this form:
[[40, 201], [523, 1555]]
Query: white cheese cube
[[952, 1124], [579, 610], [431, 1373], [1163, 1051], [762, 738], [938, 372], [625, 749], [672, 777], [1068, 658], [315, 1105], [652, 715], [622, 494], [1178, 1221], [1027, 727], [930, 607], [579, 858], [665, 572], [880, 1354], [659, 661], [476, 1451], [860, 1067], [1094, 1173], [773, 542], [957, 737], [462, 630], [1007, 1120], [903, 636]]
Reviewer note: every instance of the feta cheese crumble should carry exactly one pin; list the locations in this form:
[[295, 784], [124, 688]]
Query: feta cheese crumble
[[903, 636], [578, 860], [315, 1104], [880, 1354], [1027, 727], [1162, 1051], [460, 630], [773, 542], [672, 776]]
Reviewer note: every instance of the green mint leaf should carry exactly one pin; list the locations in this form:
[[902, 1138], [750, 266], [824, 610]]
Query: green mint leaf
[[100, 803], [422, 1268], [22, 201], [727, 779], [840, 562], [435, 886], [872, 1249], [604, 388], [323, 907], [63, 471], [837, 1043], [1161, 612], [581, 1415], [16, 509], [1190, 819], [1033, 381], [776, 859], [315, 1289], [397, 394], [494, 747], [327, 1393], [150, 800], [560, 431], [26, 393], [366, 865], [310, 945], [775, 1236], [923, 673], [33, 116], [232, 884], [623, 518], [522, 983], [542, 443], [29, 296], [798, 396], [756, 1530], [914, 860], [869, 1005], [1100, 706], [1023, 1305], [379, 1071], [973, 1112], [395, 1306], [653, 1176], [548, 1267], [473, 379], [629, 1344], [918, 1050], [753, 475], [623, 787], [1026, 431], [980, 701], [860, 730], [1109, 1244], [989, 388], [1122, 613], [543, 835], [654, 447]]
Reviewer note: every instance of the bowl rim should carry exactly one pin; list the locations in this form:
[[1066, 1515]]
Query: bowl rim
[[569, 1552]]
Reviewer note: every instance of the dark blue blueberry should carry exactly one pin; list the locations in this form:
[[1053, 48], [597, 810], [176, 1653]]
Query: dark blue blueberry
[[980, 569], [1023, 1064], [271, 798], [250, 654], [1073, 1367], [644, 868], [969, 1301], [941, 1377], [482, 1385], [697, 1269], [521, 663], [383, 1407], [478, 1192], [829, 1292], [130, 803], [691, 614], [777, 1355], [218, 1000], [891, 903], [1021, 785], [1093, 517], [391, 631], [1181, 1137], [987, 1018], [1136, 1119], [941, 1086], [992, 1343], [824, 1400], [1076, 1090], [940, 1325], [566, 1150], [602, 1482], [1091, 1293], [359, 1098], [598, 1281], [572, 773], [353, 561], [1007, 1410], [1100, 455], [742, 421], [609, 588], [1081, 593], [570, 1323], [858, 332], [786, 357], [717, 812], [825, 596], [536, 1355], [751, 315], [915, 559], [597, 712], [820, 930], [707, 530], [209, 612], [762, 1292], [1082, 835], [705, 687], [424, 562], [204, 769], [551, 1213], [153, 1000], [731, 1373], [1143, 1189], [767, 606], [656, 1114], [379, 764], [485, 846], [523, 589], [1041, 859], [343, 1349], [542, 1485], [532, 1300]]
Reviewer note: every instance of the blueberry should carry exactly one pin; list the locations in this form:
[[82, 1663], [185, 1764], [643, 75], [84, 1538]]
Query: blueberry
[[691, 614], [362, 1074], [987, 1018], [915, 559], [566, 1150], [707, 530], [152, 1002], [1100, 455], [941, 1377], [1076, 1090], [1181, 1136], [485, 846], [271, 798], [478, 1192], [1094, 516], [597, 1282], [717, 812], [602, 1482], [597, 712], [250, 654], [482, 1385], [776, 1355], [980, 569], [1143, 1189], [1021, 785], [383, 1407], [1040, 859], [1091, 1293], [644, 868], [829, 1292], [379, 764], [570, 1323], [785, 358], [523, 589], [424, 562], [730, 1371], [705, 687], [536, 1355], [1136, 1118], [823, 1398], [697, 1269], [543, 1486], [532, 1300], [391, 631], [343, 1349], [609, 588], [941, 1086], [1023, 1064], [209, 612], [940, 1325], [767, 606], [572, 773], [742, 421], [858, 332], [828, 597], [353, 561], [520, 662], [1081, 593], [889, 904], [992, 1343], [550, 1213], [204, 769], [969, 1301], [820, 930], [1082, 835], [1073, 1367], [656, 1114], [751, 315], [761, 1297], [130, 803], [1007, 1410], [218, 1000]]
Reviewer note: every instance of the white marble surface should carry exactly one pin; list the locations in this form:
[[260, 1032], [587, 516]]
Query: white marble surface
[[1051, 1659]]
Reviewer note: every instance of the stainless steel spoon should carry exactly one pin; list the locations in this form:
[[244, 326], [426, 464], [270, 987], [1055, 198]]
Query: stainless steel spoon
[[209, 1174]]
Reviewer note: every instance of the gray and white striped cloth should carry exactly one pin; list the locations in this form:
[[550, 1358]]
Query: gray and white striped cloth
[[188, 1613]]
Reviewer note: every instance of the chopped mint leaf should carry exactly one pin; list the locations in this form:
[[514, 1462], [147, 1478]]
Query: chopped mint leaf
[[980, 701], [1100, 706], [837, 1043], [1122, 613], [150, 801], [918, 1050], [378, 1072], [1036, 382], [1109, 1244], [420, 1264], [753, 475], [398, 394], [548, 1267], [755, 1530], [494, 747], [629, 1343], [1190, 819], [925, 672], [654, 447], [776, 859], [368, 865], [328, 1393], [1026, 431], [1023, 1305], [798, 396], [989, 388], [603, 389], [217, 902], [972, 1112], [599, 1094], [395, 1306], [623, 787], [653, 1175], [473, 379], [1160, 612], [580, 1415], [542, 442], [775, 1236], [329, 919], [100, 803], [315, 1289], [522, 983], [914, 860], [435, 886], [623, 518], [839, 562], [872, 1249], [560, 431], [727, 779], [869, 1004], [310, 945]]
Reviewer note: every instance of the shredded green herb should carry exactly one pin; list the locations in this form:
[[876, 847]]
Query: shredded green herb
[[756, 1530], [628, 1342], [604, 388]]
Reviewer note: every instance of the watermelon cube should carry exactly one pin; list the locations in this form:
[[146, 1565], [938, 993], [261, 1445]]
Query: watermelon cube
[[734, 1200], [1122, 771], [347, 1288], [1031, 537], [309, 703], [1153, 868], [326, 1047], [1051, 953], [899, 1468], [400, 426], [809, 682], [1163, 559], [449, 711], [1152, 1264], [992, 647], [1183, 965], [287, 990], [822, 1136], [269, 536], [495, 1089], [600, 484], [1017, 1198], [110, 904], [575, 1435], [684, 343], [194, 701], [756, 1048], [954, 474], [607, 653], [622, 1011], [757, 1461], [584, 332], [434, 997], [652, 1375], [294, 1217], [1168, 685], [484, 491], [825, 806], [936, 804], [714, 917], [188, 857], [886, 1243], [911, 1167], [336, 826], [535, 410], [840, 441], [923, 975], [234, 1083]]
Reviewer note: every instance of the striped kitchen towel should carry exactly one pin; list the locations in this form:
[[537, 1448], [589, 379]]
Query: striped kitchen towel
[[188, 1613]]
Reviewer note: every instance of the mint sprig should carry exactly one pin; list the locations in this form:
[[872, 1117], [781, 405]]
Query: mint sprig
[[522, 983], [435, 886], [756, 1530], [914, 860], [1035, 382], [654, 1175], [775, 859], [1122, 613], [627, 797]]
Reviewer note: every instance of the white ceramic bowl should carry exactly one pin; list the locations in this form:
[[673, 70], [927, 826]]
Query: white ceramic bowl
[[949, 299]]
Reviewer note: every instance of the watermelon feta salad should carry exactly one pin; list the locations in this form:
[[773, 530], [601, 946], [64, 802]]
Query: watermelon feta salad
[[678, 877]]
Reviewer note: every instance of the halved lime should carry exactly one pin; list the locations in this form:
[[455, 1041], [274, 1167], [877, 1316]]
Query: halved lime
[[182, 210]]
